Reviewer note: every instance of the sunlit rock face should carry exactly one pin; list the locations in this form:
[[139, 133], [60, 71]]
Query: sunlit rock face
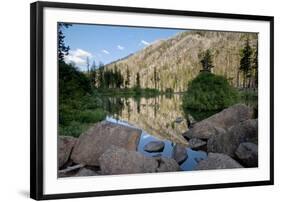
[[159, 116]]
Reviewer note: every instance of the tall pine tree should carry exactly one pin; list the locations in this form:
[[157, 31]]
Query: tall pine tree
[[127, 82], [255, 66], [93, 74], [138, 81], [245, 62], [206, 60], [62, 48], [101, 75]]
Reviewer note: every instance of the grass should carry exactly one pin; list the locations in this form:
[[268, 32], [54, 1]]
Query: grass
[[77, 115]]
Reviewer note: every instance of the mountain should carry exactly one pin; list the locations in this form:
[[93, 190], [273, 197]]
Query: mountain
[[172, 63]]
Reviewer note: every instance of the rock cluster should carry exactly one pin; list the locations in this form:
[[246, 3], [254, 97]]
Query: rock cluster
[[110, 149], [229, 134]]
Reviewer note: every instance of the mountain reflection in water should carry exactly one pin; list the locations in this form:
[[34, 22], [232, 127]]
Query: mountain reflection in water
[[160, 116], [189, 164]]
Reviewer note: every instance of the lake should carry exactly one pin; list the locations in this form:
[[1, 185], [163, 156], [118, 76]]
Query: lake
[[160, 118]]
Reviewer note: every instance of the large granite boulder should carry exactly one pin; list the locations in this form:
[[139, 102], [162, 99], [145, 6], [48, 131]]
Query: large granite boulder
[[179, 153], [217, 161], [227, 143], [118, 160], [247, 153], [94, 142], [154, 146], [65, 146], [222, 120]]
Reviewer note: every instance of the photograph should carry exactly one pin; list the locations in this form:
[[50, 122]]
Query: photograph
[[138, 100]]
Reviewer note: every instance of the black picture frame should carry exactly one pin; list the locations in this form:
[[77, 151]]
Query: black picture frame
[[37, 99]]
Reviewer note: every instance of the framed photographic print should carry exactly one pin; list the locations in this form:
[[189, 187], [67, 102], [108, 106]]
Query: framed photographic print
[[136, 100]]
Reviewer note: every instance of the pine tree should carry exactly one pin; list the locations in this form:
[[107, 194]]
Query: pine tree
[[62, 48], [127, 82], [206, 60], [88, 66], [101, 75], [255, 66], [93, 74], [245, 62], [119, 79], [138, 80]]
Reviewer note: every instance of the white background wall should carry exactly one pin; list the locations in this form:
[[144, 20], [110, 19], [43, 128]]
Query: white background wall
[[14, 100]]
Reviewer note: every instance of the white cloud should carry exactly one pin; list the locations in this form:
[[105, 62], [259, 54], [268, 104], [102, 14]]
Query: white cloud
[[120, 47], [145, 43], [78, 56], [106, 52]]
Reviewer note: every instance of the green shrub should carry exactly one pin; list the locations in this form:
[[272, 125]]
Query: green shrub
[[209, 92]]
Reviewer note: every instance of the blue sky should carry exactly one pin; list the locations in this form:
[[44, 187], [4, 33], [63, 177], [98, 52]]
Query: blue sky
[[102, 43]]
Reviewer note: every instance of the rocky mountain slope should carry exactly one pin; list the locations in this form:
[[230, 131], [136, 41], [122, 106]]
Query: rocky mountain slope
[[172, 63]]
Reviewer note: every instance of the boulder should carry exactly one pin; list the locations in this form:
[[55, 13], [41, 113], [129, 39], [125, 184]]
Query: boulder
[[167, 165], [228, 142], [179, 153], [154, 146], [197, 144], [95, 141], [222, 120], [118, 160], [121, 161], [65, 146], [85, 172], [247, 153], [217, 161]]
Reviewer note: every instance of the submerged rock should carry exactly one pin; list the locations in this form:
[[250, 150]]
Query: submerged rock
[[247, 153], [95, 141], [197, 144], [222, 120], [154, 146], [179, 153], [217, 161], [228, 142], [120, 161], [65, 146]]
